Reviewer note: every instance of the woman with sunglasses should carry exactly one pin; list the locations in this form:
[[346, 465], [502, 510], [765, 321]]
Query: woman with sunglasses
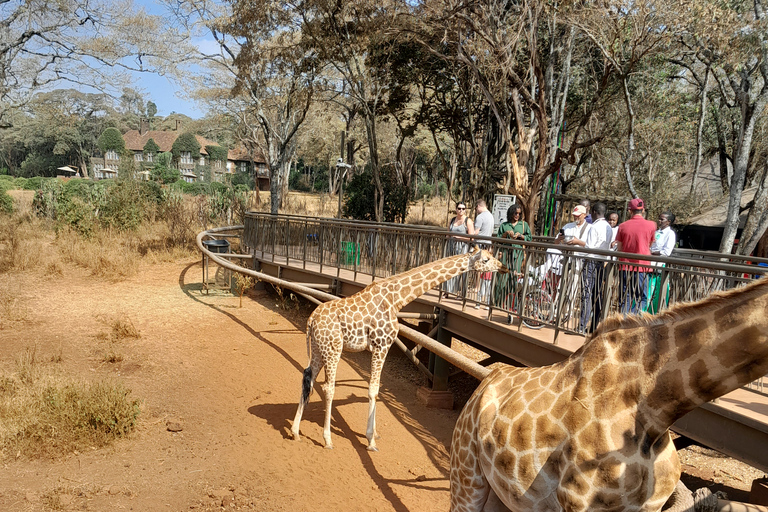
[[516, 229], [460, 225]]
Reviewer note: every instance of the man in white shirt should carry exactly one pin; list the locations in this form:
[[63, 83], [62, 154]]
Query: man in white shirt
[[592, 276], [483, 226], [663, 243], [575, 234]]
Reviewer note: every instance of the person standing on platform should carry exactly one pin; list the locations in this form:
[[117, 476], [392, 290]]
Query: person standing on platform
[[512, 255], [663, 244], [459, 225], [593, 275], [484, 227], [636, 236]]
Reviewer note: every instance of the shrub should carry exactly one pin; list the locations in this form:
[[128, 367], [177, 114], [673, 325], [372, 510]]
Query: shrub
[[77, 214], [125, 207], [45, 416], [111, 139], [6, 202], [186, 142], [35, 183]]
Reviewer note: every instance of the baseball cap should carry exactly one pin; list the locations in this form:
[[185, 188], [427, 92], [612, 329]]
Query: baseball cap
[[579, 210], [636, 204]]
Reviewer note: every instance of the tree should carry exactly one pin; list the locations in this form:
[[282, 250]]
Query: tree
[[264, 75], [94, 43], [112, 140]]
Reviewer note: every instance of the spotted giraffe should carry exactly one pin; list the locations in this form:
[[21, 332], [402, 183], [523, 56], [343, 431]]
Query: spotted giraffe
[[368, 320], [591, 433]]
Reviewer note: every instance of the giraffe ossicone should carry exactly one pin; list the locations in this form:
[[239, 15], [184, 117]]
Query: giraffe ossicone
[[590, 433], [367, 320]]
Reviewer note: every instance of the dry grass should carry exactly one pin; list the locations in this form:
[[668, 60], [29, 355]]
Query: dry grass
[[43, 414], [12, 304]]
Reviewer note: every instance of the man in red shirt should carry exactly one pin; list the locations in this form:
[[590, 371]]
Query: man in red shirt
[[635, 235]]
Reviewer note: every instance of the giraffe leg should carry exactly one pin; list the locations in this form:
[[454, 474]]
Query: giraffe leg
[[329, 388], [377, 363], [307, 382]]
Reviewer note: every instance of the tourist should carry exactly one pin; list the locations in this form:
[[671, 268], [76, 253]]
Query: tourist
[[593, 275], [575, 234], [512, 256], [484, 227], [613, 220], [635, 236], [663, 244], [459, 225]]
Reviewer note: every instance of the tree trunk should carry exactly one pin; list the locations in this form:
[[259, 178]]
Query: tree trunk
[[700, 131], [757, 218], [627, 158]]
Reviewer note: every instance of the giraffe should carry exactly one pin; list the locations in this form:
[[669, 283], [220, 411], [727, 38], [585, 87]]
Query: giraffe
[[591, 432], [368, 320]]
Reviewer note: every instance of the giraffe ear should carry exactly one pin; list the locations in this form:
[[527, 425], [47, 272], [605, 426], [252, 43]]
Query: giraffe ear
[[474, 256]]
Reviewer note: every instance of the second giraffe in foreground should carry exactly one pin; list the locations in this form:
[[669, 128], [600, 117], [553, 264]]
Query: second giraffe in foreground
[[368, 320], [590, 433]]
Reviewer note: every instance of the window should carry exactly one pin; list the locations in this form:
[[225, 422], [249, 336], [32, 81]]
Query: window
[[202, 160], [138, 157], [217, 164], [186, 157], [111, 155], [243, 166], [150, 157]]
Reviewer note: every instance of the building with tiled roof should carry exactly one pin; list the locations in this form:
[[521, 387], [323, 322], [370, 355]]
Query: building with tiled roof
[[251, 162], [136, 140]]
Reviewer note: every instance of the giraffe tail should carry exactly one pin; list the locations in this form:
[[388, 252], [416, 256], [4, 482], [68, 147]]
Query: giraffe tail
[[306, 385]]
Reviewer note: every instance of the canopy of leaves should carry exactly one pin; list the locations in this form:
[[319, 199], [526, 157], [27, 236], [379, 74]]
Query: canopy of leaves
[[111, 140], [216, 153], [186, 142], [151, 147]]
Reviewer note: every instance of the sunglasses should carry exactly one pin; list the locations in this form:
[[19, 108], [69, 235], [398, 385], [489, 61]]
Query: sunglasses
[[462, 208]]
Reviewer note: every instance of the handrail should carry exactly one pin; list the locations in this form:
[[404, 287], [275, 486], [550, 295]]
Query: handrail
[[453, 357]]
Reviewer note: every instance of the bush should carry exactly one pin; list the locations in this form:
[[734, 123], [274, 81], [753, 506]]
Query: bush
[[193, 189], [78, 215], [6, 202], [46, 416], [111, 139], [35, 183], [126, 206], [425, 189]]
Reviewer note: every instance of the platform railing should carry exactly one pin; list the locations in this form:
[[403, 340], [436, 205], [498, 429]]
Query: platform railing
[[552, 286]]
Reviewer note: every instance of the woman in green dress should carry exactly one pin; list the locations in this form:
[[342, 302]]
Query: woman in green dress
[[512, 256]]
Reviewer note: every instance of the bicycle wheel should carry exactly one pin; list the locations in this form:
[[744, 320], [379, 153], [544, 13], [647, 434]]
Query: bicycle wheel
[[537, 309]]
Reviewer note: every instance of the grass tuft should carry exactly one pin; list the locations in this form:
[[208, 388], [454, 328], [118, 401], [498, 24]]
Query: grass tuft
[[42, 415]]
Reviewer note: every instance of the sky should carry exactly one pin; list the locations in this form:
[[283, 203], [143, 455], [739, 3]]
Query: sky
[[167, 96]]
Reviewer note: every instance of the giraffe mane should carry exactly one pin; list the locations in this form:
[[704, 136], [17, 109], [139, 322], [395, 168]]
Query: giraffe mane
[[679, 311]]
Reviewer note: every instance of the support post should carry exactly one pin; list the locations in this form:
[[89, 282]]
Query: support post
[[438, 396]]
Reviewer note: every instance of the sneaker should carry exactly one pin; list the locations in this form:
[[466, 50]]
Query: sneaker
[[477, 305], [509, 319]]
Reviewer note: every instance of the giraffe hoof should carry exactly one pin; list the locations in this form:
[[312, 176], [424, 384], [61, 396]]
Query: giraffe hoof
[[329, 447], [372, 449]]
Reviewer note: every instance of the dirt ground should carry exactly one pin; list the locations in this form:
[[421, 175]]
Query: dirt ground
[[229, 377]]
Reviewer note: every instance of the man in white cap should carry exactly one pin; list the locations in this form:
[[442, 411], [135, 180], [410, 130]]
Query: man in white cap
[[575, 234]]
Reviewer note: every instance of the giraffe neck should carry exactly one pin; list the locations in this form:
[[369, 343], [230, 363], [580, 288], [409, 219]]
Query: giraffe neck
[[416, 282], [698, 352]]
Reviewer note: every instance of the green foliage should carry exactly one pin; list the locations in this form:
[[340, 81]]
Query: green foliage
[[194, 189], [216, 153], [442, 188], [244, 179], [126, 206], [425, 189], [298, 181], [162, 170], [35, 183], [79, 215], [151, 147], [186, 142], [111, 140], [6, 202], [360, 192]]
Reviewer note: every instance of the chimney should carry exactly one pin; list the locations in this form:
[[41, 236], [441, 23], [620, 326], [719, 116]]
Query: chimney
[[143, 125], [178, 125]]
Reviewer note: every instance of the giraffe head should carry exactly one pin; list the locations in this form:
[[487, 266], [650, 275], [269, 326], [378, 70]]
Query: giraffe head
[[483, 261]]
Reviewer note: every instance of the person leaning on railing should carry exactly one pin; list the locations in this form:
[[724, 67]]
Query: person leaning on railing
[[461, 224], [511, 255]]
